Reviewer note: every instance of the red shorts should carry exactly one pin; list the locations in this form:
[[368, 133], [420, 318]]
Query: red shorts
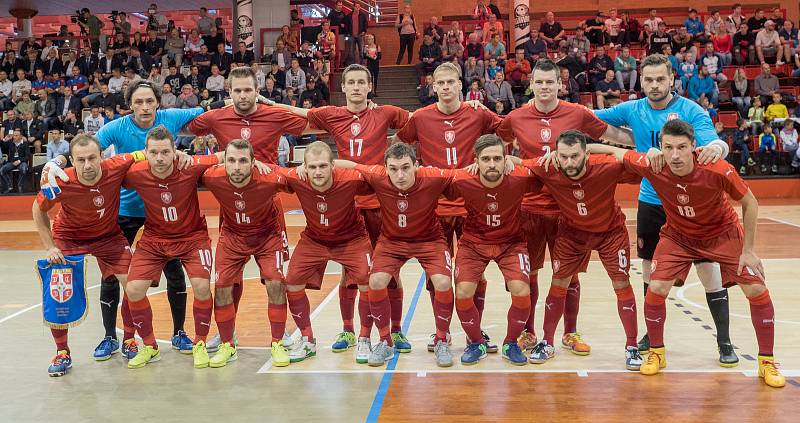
[[150, 257], [113, 253], [511, 258], [372, 220], [434, 256], [310, 258], [282, 223], [233, 253], [675, 254], [572, 246], [452, 226], [541, 231]]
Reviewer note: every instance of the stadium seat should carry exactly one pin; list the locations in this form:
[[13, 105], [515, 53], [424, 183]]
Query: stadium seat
[[752, 72], [728, 119], [587, 99]]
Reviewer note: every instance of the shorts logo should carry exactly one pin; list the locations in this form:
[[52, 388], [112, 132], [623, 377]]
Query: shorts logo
[[653, 266], [245, 133], [355, 128], [239, 204], [683, 198], [672, 116], [61, 288], [402, 205], [450, 136], [166, 197], [578, 194], [492, 207], [640, 242], [98, 201], [556, 265], [322, 207], [545, 134]]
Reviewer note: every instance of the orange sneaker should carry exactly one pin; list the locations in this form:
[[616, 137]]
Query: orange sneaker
[[526, 340], [574, 343]]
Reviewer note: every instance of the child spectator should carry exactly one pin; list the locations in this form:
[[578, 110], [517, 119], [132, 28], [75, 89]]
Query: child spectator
[[741, 143], [776, 110], [789, 142], [755, 116], [767, 150]]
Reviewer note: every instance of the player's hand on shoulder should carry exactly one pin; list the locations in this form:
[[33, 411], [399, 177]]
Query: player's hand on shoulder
[[263, 100], [476, 105], [51, 173], [655, 159], [709, 154], [509, 166], [749, 262], [372, 105], [262, 168], [548, 161], [54, 256], [184, 160], [472, 169], [301, 172]]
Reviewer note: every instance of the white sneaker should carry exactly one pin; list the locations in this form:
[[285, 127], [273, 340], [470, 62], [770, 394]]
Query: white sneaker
[[287, 341], [432, 343], [215, 341], [302, 349], [381, 354], [633, 359], [363, 350]]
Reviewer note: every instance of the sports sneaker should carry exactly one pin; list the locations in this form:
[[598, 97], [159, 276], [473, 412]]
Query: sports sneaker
[[750, 161], [280, 357], [742, 170], [774, 169], [363, 350], [542, 352], [727, 356], [767, 369], [302, 349], [401, 343], [491, 347], [182, 343], [129, 348], [381, 353], [574, 342], [200, 355], [60, 364], [213, 344], [526, 340], [644, 344], [474, 352], [287, 340], [763, 169], [432, 342], [633, 359], [146, 354], [107, 347], [513, 354], [656, 360], [225, 354], [344, 341], [444, 358]]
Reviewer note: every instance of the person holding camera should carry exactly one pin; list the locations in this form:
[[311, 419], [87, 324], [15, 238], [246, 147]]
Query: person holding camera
[[121, 24], [157, 21], [91, 25]]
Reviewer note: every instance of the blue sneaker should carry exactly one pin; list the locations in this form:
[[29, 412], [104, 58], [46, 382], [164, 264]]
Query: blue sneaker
[[513, 353], [130, 348], [182, 343], [60, 364], [401, 343], [107, 347], [474, 352]]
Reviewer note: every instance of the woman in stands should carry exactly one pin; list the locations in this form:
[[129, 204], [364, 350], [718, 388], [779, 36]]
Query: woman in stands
[[289, 39], [739, 90], [407, 29], [372, 58]]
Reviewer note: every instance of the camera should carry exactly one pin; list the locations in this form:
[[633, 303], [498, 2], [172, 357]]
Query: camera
[[114, 17]]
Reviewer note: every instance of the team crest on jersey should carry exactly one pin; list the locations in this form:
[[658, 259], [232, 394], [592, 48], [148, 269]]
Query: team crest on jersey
[[402, 205], [450, 136], [545, 134], [578, 194], [672, 116], [355, 128], [245, 133], [239, 204], [492, 207], [61, 288], [98, 201], [322, 207], [166, 197], [683, 198]]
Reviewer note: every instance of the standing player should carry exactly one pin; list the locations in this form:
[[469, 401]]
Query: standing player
[[536, 126], [409, 229], [445, 133], [701, 223], [492, 232], [249, 226], [645, 117], [86, 224], [590, 220]]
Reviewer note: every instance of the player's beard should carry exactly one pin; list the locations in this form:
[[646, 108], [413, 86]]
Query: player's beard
[[492, 175], [320, 182], [89, 176], [573, 171], [659, 96], [238, 178], [243, 107]]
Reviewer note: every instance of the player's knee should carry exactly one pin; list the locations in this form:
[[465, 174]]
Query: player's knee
[[276, 292], [465, 290], [223, 295], [621, 284], [751, 291], [295, 287], [518, 288], [660, 287], [136, 290], [561, 282], [201, 289], [441, 282], [379, 280]]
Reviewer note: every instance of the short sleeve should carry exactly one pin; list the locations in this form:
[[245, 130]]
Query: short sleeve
[[201, 125], [733, 184], [106, 134], [176, 119], [505, 131], [294, 124], [704, 132], [491, 121], [318, 117], [593, 125], [371, 172], [617, 115], [408, 133], [397, 116], [635, 163], [44, 203]]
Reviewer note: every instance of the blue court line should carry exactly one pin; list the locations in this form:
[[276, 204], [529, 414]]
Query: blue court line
[[386, 381]]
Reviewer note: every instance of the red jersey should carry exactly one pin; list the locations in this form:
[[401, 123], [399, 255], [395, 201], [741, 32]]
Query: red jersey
[[248, 211], [447, 141], [587, 203], [171, 207], [361, 137], [409, 215], [331, 215], [695, 204], [263, 128], [89, 212], [492, 213], [536, 134]]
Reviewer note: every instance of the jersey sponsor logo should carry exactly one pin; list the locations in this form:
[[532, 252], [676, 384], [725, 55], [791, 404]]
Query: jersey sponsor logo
[[683, 198], [163, 186], [492, 207], [166, 197], [355, 128], [578, 194], [322, 207], [61, 288], [239, 204], [672, 116], [245, 133], [681, 187], [98, 201], [546, 122], [402, 205], [493, 196], [449, 123], [238, 194], [545, 134], [450, 136]]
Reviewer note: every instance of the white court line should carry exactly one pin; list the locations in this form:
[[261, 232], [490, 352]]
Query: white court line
[[529, 370], [783, 222], [680, 295]]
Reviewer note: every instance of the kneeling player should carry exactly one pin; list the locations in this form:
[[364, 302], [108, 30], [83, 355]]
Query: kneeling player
[[702, 224]]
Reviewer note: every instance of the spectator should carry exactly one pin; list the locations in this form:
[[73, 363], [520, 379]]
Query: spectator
[[157, 21], [739, 92], [214, 83], [216, 38], [702, 86], [326, 42], [306, 56], [338, 20], [202, 61], [272, 92], [193, 43], [795, 74], [723, 45], [713, 62], [755, 116], [517, 70], [312, 93], [10, 124], [651, 25], [741, 143], [788, 137], [426, 93], [93, 122], [88, 62], [435, 31], [499, 91], [491, 69], [576, 69], [290, 98], [578, 46], [455, 29], [130, 76], [767, 150], [474, 48], [78, 83], [607, 91], [155, 46], [595, 28], [766, 83], [18, 157], [744, 46], [614, 33], [756, 23], [598, 66], [222, 59], [57, 145], [776, 110], [430, 56], [708, 107], [260, 75], [92, 26], [625, 68], [551, 31], [174, 78], [453, 49], [26, 104], [11, 63], [694, 26], [142, 63], [481, 14], [175, 47], [67, 102], [659, 38], [495, 49], [736, 19], [38, 82], [407, 29], [789, 39], [138, 42], [206, 99], [245, 56], [20, 85], [372, 59], [295, 78], [534, 47], [474, 70], [204, 23], [493, 9], [289, 39], [357, 22], [713, 24], [32, 129], [768, 44], [476, 92], [569, 90], [491, 28], [71, 125], [168, 99], [277, 75], [109, 114], [631, 27]]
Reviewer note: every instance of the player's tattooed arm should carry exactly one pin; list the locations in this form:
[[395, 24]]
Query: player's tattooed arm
[[621, 136], [748, 259], [42, 222], [617, 152]]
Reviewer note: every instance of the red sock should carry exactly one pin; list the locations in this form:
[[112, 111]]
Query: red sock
[[143, 321], [363, 314], [127, 319], [347, 305], [553, 309], [396, 305], [225, 316], [470, 318], [277, 320], [379, 308], [480, 296], [60, 337], [238, 290], [572, 304], [301, 312], [655, 314], [517, 316], [443, 312], [762, 314], [201, 310], [626, 307], [534, 281]]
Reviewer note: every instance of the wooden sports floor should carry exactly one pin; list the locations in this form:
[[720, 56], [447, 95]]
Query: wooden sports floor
[[334, 388]]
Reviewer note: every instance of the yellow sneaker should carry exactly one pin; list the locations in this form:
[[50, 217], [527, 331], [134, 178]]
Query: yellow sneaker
[[225, 354], [146, 354], [280, 357], [768, 369], [574, 343], [200, 355], [656, 360], [526, 340]]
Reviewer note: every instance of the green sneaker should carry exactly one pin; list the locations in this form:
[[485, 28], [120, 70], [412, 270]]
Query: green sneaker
[[146, 354], [344, 341], [200, 355], [225, 353], [400, 342]]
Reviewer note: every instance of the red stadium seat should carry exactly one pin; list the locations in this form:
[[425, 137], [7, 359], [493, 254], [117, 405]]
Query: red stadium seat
[[752, 72], [729, 71], [587, 99], [728, 119]]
